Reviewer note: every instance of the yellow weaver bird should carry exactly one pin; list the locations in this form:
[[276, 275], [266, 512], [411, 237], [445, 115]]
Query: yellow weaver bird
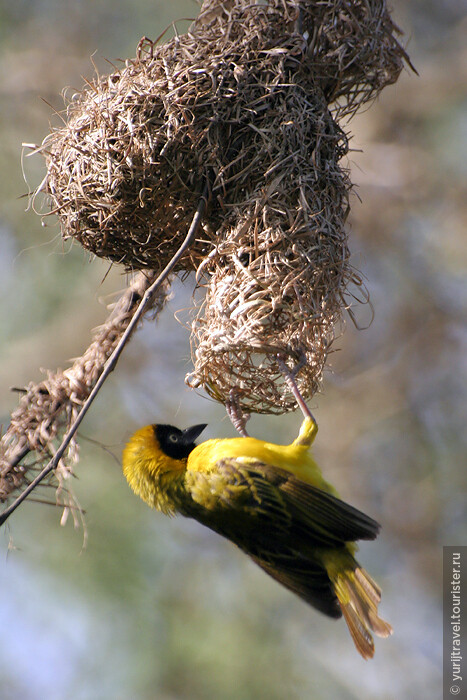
[[273, 503]]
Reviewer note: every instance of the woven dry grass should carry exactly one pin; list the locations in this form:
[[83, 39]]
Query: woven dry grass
[[126, 171], [248, 101]]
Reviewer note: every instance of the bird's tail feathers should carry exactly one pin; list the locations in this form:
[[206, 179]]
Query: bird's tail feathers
[[359, 595]]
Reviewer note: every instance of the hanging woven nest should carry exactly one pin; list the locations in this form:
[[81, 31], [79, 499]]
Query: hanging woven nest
[[253, 313], [246, 101], [274, 282], [126, 171]]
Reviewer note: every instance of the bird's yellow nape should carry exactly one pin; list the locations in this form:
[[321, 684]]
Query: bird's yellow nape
[[148, 470]]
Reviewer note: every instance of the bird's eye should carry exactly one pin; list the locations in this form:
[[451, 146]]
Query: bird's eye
[[173, 437]]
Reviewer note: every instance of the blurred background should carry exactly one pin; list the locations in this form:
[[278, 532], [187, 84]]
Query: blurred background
[[137, 606]]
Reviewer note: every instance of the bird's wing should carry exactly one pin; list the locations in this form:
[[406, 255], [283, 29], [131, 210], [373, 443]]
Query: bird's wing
[[247, 494], [316, 510], [278, 520], [281, 522]]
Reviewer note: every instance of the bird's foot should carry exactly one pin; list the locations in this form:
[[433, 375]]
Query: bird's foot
[[289, 375], [235, 413]]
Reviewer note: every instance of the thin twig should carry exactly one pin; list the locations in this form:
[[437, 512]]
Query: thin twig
[[57, 399], [112, 361]]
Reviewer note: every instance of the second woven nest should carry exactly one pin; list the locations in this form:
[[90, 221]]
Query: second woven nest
[[275, 279], [247, 101]]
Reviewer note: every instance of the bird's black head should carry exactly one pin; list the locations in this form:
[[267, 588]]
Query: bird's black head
[[177, 443]]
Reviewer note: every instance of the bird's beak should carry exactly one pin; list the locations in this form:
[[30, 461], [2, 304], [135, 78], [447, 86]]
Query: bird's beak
[[190, 434]]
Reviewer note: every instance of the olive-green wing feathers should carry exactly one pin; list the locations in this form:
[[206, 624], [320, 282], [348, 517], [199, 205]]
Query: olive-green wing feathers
[[280, 521], [254, 492], [315, 512], [304, 577]]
